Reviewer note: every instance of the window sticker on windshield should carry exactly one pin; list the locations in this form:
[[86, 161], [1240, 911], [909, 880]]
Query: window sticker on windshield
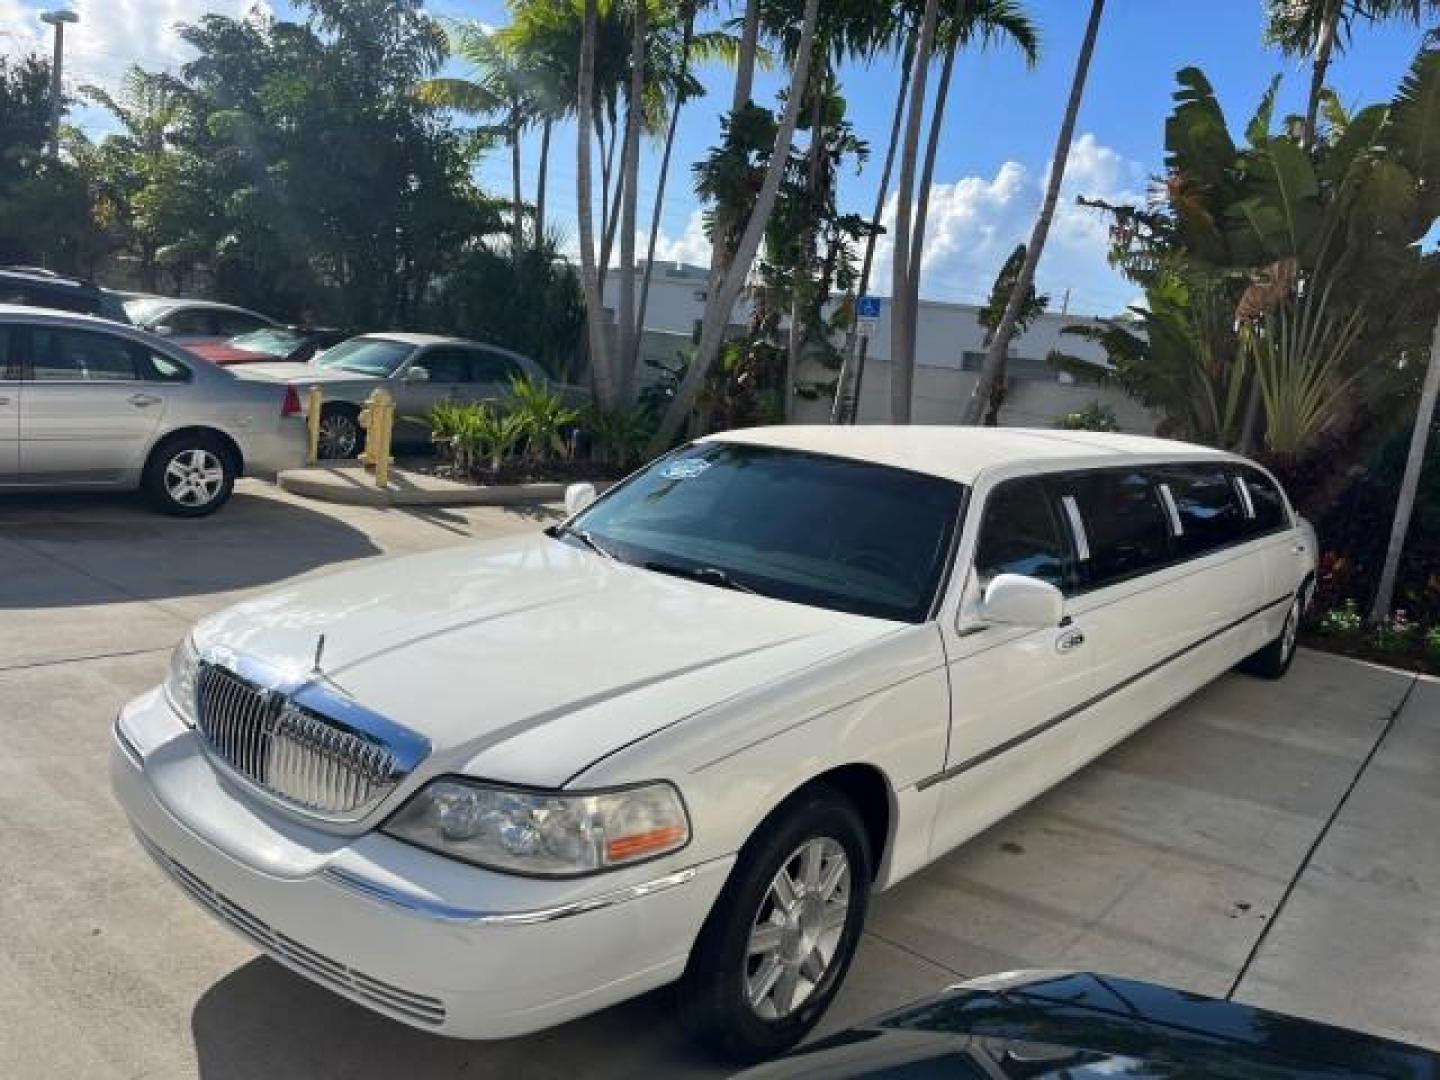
[[684, 469]]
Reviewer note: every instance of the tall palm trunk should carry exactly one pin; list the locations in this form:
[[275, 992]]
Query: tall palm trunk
[[542, 180], [687, 38], [1324, 46], [902, 316], [610, 214], [749, 46], [927, 179], [1409, 483], [517, 207], [722, 300], [629, 201], [847, 386], [799, 302], [601, 373], [995, 354]]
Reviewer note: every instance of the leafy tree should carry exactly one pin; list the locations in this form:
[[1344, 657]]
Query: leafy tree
[[1031, 308]]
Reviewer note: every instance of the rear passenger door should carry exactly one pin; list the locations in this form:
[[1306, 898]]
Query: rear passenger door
[[492, 373]]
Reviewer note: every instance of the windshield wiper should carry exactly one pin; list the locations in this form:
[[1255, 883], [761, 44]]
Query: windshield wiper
[[708, 575], [583, 535]]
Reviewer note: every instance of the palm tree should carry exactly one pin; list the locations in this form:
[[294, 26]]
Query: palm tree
[[629, 200], [987, 21], [1320, 28], [995, 354], [501, 86], [601, 372], [723, 294]]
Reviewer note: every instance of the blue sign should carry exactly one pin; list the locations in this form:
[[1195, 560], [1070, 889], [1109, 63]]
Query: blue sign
[[867, 307]]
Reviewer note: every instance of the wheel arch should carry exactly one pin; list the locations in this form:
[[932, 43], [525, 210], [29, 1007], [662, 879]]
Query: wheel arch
[[227, 443], [868, 788]]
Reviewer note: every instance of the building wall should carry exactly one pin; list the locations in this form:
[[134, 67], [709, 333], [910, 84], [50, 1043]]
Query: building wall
[[945, 334]]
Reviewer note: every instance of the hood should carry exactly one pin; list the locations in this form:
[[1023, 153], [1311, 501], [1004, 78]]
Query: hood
[[476, 645], [300, 374]]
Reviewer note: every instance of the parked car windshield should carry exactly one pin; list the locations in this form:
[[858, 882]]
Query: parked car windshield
[[277, 343], [367, 356], [808, 528]]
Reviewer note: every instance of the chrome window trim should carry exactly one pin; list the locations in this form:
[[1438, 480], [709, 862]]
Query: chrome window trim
[[1238, 483], [1077, 527], [430, 908], [1172, 512]]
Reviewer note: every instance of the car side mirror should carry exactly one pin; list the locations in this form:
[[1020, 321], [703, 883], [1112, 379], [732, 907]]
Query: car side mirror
[[417, 374], [1017, 600], [578, 497]]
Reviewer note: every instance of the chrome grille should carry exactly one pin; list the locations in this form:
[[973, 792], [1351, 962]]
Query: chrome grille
[[307, 759], [407, 1004]]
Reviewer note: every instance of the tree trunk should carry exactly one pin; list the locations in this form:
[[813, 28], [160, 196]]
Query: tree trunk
[[847, 386], [517, 207], [686, 38], [601, 374], [1324, 46], [611, 215], [1409, 484], [629, 202], [994, 356], [745, 62], [721, 300], [798, 307], [541, 181], [902, 317], [927, 178]]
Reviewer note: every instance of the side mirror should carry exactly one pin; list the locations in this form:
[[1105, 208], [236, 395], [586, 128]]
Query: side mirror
[[1016, 600], [417, 374], [578, 497]]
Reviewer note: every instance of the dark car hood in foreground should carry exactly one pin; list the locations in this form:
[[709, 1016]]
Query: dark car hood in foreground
[[1058, 1024]]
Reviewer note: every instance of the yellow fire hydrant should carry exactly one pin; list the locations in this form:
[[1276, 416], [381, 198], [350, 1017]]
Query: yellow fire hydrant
[[378, 420], [313, 406]]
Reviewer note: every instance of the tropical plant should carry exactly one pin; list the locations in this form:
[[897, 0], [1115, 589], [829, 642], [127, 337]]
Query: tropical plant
[[543, 417], [1031, 308], [1097, 416], [475, 435], [618, 435], [1000, 342]]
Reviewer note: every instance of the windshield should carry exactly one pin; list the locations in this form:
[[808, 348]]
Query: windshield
[[278, 343], [825, 531], [142, 312], [367, 356]]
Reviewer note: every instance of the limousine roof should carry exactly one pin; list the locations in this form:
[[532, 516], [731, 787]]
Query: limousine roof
[[959, 453]]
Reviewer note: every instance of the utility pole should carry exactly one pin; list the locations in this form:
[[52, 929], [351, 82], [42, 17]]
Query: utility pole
[[57, 19]]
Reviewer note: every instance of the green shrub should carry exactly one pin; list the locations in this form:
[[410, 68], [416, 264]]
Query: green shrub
[[1432, 641], [474, 435], [1096, 416], [1396, 634], [543, 417], [1341, 621], [618, 434]]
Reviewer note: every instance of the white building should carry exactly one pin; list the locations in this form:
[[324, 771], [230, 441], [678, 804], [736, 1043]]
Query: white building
[[949, 350]]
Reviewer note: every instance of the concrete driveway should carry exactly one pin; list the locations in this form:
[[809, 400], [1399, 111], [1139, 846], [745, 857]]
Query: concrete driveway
[[1275, 842]]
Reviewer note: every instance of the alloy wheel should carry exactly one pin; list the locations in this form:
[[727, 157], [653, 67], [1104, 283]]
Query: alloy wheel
[[194, 477], [796, 934], [1291, 631], [339, 436]]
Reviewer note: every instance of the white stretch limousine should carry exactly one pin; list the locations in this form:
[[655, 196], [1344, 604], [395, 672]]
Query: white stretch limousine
[[684, 735]]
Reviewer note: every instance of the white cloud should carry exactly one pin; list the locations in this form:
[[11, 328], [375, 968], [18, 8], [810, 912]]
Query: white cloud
[[975, 222], [111, 34], [691, 246]]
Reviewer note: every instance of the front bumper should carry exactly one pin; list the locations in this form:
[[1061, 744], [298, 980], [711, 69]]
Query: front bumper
[[426, 940]]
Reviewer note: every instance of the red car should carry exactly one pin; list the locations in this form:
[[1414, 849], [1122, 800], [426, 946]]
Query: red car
[[270, 345]]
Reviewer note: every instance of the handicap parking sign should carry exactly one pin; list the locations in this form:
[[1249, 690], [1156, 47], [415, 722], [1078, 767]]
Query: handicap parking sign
[[868, 307]]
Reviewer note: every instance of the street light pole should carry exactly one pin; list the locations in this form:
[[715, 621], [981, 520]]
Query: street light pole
[[57, 19]]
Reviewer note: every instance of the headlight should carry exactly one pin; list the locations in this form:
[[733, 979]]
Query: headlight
[[181, 680], [547, 834]]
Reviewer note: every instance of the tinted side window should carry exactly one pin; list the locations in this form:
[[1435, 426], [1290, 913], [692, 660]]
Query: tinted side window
[[488, 367], [1021, 535], [1270, 513], [1125, 525], [445, 365], [80, 356], [231, 323], [190, 322], [1210, 512], [9, 357], [157, 368]]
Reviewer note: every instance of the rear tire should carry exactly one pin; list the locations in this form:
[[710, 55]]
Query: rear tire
[[189, 475], [1274, 660], [798, 935], [341, 436]]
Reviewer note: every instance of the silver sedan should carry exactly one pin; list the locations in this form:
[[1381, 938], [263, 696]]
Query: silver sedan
[[87, 403]]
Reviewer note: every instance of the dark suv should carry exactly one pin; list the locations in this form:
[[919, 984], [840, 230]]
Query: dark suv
[[41, 288]]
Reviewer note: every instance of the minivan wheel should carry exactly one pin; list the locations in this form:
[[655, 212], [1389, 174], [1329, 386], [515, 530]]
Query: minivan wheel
[[1274, 660], [340, 433], [189, 476], [776, 947]]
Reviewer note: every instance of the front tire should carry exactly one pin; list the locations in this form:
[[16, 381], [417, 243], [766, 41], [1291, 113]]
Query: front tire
[[775, 948], [189, 475]]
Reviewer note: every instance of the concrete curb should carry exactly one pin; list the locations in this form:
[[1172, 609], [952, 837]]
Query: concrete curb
[[353, 486]]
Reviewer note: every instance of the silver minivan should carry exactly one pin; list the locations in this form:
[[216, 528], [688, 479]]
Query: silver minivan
[[91, 404]]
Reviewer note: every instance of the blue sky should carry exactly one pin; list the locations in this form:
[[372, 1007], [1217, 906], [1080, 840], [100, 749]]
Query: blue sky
[[999, 132]]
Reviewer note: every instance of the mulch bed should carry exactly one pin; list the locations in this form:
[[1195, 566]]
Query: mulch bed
[[1417, 659], [520, 472]]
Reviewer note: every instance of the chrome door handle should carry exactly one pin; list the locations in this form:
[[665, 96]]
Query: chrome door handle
[[143, 401], [1069, 641], [1298, 549]]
